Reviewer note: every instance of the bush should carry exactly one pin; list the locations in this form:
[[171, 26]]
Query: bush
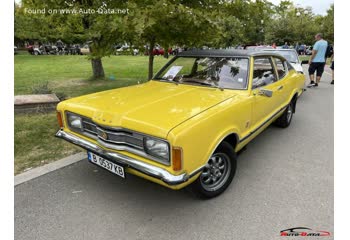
[[41, 88]]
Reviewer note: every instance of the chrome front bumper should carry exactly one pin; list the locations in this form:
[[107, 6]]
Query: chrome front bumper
[[142, 167]]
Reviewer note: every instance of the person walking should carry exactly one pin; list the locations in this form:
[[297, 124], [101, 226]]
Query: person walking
[[317, 60]]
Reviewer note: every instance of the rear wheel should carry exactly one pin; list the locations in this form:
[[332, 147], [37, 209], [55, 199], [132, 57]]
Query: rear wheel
[[217, 174], [286, 118]]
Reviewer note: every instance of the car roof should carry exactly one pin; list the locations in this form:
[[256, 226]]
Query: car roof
[[225, 53]]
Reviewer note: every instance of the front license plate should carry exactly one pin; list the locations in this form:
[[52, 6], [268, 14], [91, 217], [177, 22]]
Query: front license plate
[[106, 164]]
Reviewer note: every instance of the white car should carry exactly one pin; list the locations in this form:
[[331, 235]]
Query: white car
[[291, 55]]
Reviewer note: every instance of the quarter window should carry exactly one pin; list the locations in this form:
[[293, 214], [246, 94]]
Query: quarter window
[[281, 68], [263, 72], [289, 66]]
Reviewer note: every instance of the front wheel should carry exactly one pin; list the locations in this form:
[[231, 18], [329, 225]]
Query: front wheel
[[217, 174]]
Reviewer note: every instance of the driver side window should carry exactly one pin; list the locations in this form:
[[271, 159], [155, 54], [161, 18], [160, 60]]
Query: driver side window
[[263, 72]]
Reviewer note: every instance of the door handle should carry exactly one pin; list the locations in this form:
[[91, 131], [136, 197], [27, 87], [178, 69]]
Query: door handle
[[280, 88]]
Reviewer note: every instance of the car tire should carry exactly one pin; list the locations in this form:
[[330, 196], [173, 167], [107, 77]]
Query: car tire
[[36, 53], [286, 118], [218, 173]]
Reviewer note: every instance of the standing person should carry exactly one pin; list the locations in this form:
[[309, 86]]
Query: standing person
[[285, 46], [332, 67], [302, 49], [297, 47], [317, 60], [274, 45]]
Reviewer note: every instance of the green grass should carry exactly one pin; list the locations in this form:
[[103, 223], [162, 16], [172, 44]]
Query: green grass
[[35, 143], [306, 57], [71, 74]]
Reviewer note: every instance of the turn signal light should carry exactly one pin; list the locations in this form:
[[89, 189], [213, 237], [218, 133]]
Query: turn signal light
[[59, 119], [177, 158]]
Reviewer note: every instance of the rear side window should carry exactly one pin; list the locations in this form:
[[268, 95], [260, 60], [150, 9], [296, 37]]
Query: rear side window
[[281, 68], [263, 72], [289, 66]]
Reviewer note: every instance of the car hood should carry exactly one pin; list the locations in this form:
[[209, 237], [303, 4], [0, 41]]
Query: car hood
[[153, 108]]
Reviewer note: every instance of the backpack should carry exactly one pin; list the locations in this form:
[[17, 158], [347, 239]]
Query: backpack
[[329, 51]]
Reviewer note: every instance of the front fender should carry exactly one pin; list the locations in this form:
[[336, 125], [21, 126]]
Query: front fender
[[201, 135]]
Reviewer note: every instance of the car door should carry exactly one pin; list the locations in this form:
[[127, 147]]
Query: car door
[[265, 80], [285, 86]]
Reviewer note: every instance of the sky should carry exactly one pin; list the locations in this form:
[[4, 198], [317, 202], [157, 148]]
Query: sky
[[318, 6]]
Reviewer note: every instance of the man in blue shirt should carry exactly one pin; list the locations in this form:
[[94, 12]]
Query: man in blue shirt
[[317, 60]]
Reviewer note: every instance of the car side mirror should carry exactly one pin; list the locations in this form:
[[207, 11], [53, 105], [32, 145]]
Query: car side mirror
[[304, 62], [265, 92]]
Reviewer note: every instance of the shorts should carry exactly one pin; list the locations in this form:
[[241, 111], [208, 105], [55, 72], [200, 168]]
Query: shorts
[[332, 65], [317, 67]]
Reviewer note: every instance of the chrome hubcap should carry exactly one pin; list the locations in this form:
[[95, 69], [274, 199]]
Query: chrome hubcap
[[216, 172], [289, 112]]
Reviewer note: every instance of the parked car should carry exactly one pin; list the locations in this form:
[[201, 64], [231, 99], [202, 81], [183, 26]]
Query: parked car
[[158, 51], [15, 50], [49, 49], [43, 49], [256, 48], [34, 50], [308, 50], [122, 49], [30, 49], [74, 49], [185, 127], [291, 55], [38, 50], [85, 50]]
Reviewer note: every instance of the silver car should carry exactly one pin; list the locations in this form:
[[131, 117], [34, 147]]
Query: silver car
[[291, 55]]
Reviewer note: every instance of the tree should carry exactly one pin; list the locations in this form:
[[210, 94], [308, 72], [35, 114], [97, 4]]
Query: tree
[[175, 22], [292, 24], [328, 24], [77, 20]]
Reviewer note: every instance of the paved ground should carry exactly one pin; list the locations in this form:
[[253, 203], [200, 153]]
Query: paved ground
[[284, 180]]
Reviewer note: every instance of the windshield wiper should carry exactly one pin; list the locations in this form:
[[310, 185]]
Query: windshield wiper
[[204, 84], [201, 83]]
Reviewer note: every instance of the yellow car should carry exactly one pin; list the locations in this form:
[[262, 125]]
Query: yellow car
[[185, 126]]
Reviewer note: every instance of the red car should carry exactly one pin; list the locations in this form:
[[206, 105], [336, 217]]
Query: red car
[[158, 51]]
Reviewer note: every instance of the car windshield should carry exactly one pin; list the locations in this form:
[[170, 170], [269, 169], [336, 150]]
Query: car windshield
[[291, 56], [221, 72]]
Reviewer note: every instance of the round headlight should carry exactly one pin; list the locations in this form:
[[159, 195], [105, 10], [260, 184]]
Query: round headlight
[[75, 121], [157, 148]]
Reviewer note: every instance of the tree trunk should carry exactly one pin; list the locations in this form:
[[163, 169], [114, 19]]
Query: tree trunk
[[166, 53], [150, 60], [97, 68]]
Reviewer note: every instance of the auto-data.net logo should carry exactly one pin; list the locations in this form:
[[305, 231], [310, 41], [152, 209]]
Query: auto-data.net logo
[[304, 232]]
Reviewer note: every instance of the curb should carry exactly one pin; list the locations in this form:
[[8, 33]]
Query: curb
[[39, 171]]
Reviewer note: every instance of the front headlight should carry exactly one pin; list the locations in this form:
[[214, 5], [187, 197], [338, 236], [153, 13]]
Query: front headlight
[[74, 121], [157, 148]]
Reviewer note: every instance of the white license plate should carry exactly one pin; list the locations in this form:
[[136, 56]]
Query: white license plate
[[106, 164]]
